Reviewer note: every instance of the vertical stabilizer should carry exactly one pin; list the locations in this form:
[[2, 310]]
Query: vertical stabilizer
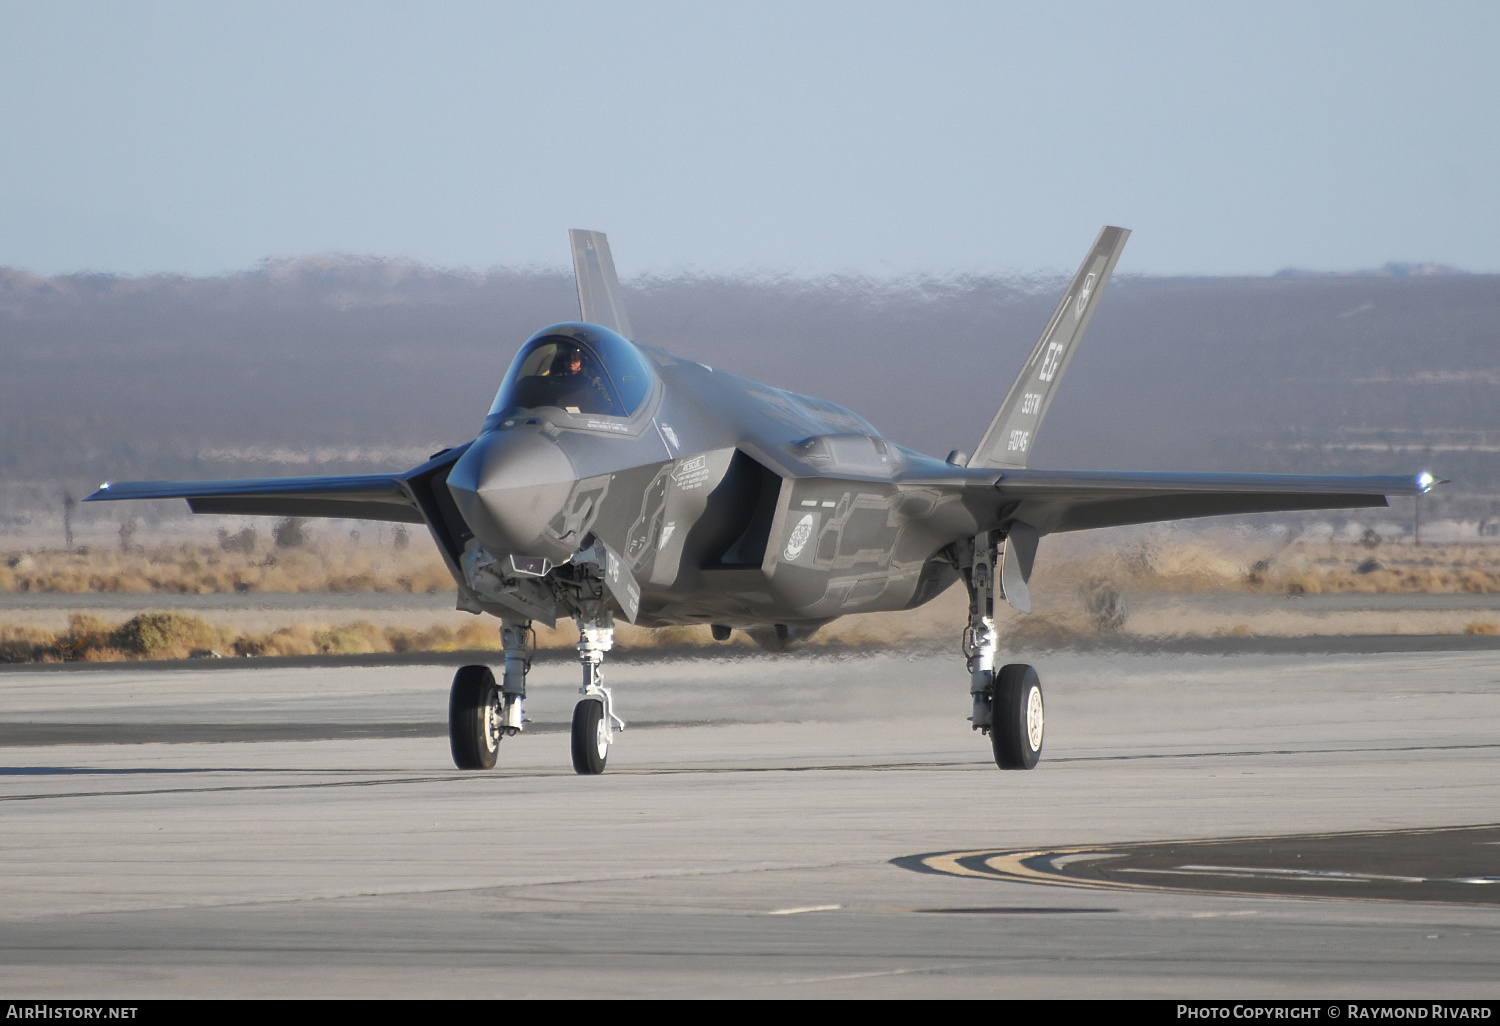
[[599, 300], [1012, 433]]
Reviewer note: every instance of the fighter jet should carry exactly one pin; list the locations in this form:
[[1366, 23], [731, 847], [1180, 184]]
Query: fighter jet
[[611, 479]]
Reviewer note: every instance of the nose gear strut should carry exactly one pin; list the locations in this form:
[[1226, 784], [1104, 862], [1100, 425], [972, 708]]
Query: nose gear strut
[[594, 719]]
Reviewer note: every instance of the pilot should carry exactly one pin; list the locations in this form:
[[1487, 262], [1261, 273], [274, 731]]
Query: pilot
[[576, 386], [566, 363]]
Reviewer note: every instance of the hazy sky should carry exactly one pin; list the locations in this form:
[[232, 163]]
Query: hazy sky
[[882, 138]]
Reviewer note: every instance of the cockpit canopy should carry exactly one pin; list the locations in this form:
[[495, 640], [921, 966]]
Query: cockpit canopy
[[585, 371]]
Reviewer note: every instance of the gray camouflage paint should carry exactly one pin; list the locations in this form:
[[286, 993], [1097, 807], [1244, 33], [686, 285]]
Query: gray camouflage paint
[[783, 508]]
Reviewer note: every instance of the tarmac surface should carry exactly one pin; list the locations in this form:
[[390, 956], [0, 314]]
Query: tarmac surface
[[1260, 825]]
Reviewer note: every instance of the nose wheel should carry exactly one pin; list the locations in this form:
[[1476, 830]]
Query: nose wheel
[[590, 737]]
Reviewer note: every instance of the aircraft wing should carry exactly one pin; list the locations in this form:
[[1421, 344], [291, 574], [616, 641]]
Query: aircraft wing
[[1051, 501], [1028, 504], [401, 498], [368, 497]]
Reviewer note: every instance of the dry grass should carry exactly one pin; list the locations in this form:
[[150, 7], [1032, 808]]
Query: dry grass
[[1073, 578], [163, 635], [1301, 568], [170, 635], [209, 569], [1173, 565], [29, 645]]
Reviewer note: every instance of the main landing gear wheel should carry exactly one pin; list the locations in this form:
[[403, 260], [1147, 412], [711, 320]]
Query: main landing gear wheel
[[590, 744], [474, 718], [1016, 717]]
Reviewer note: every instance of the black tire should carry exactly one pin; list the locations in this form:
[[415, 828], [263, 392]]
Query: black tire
[[474, 718], [1016, 718], [590, 752]]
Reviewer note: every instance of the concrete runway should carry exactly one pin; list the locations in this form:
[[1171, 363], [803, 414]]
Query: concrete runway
[[760, 832]]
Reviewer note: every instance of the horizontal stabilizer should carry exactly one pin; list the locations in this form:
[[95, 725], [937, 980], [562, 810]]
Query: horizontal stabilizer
[[599, 299]]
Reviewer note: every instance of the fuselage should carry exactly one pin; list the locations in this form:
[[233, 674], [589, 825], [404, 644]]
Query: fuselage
[[728, 501]]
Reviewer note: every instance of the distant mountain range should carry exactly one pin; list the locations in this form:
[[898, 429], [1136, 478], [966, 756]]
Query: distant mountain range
[[1391, 270], [343, 364]]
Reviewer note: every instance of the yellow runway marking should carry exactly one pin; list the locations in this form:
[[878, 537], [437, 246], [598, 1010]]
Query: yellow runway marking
[[1051, 866]]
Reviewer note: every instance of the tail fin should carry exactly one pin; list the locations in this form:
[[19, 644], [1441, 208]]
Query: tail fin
[[1012, 433], [599, 300]]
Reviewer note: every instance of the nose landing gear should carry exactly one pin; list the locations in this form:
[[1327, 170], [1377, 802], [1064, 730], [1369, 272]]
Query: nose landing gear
[[594, 719], [481, 713]]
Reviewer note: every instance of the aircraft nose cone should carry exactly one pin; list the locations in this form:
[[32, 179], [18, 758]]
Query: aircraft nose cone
[[508, 487]]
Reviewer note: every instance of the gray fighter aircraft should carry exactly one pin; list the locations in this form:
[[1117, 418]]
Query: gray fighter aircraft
[[613, 479]]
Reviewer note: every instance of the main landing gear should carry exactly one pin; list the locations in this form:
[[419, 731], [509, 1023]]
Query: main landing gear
[[1007, 703], [474, 718], [481, 712], [1016, 717]]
